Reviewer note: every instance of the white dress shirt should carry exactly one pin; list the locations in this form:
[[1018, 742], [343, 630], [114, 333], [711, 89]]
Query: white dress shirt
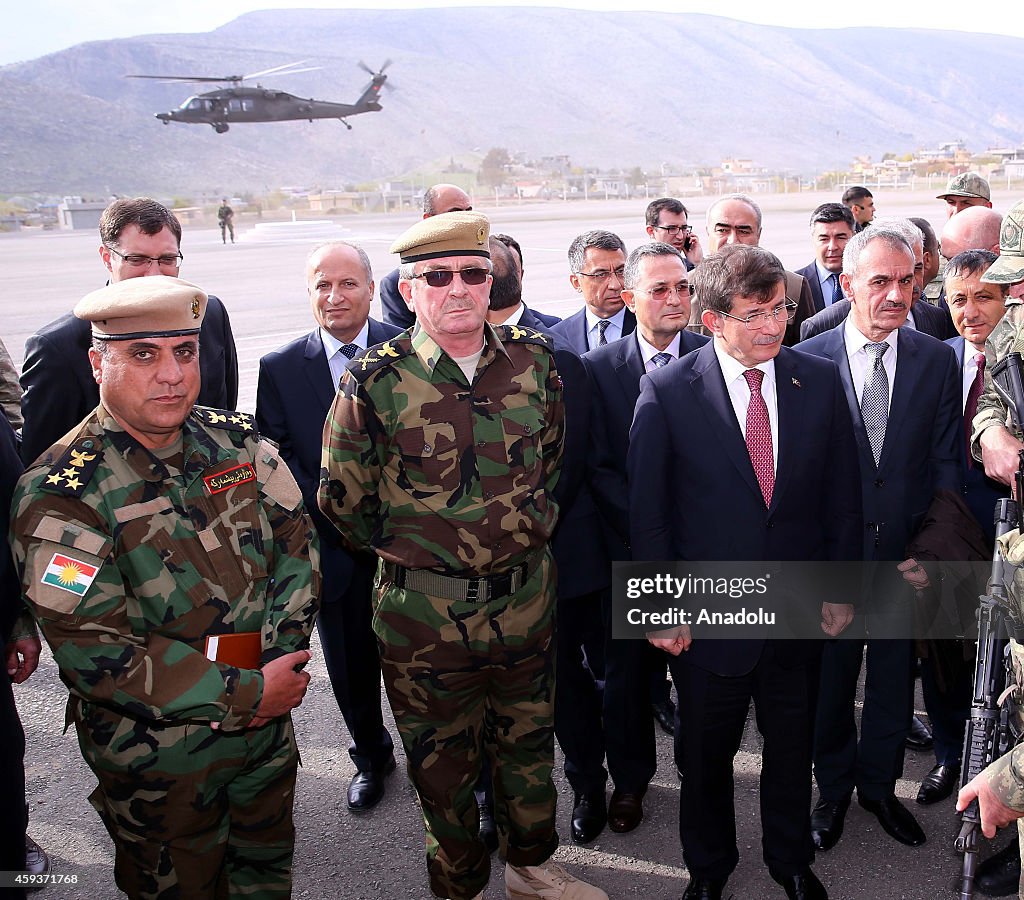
[[861, 361], [335, 358], [739, 394], [612, 333], [648, 351]]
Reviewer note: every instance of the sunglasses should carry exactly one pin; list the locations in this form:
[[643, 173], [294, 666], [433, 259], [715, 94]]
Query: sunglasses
[[443, 277]]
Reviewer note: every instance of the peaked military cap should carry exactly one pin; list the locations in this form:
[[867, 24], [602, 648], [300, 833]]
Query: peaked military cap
[[446, 234], [151, 306], [1009, 267], [969, 184]]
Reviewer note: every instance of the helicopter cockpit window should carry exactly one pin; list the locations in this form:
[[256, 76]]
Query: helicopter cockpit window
[[197, 104], [240, 105]]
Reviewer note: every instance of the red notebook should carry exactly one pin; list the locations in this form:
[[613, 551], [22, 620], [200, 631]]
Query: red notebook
[[241, 650]]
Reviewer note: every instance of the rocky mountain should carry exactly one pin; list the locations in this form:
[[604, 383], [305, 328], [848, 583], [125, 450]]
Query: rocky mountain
[[604, 88]]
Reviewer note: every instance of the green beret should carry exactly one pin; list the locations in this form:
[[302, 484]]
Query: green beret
[[446, 234], [1009, 267], [148, 306]]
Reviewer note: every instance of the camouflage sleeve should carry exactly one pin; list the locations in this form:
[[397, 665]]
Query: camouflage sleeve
[[1006, 778], [554, 430], [10, 389], [352, 462], [294, 590], [1005, 337], [72, 584]]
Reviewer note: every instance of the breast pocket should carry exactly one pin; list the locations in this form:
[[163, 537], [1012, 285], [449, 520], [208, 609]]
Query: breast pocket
[[428, 459], [523, 429]]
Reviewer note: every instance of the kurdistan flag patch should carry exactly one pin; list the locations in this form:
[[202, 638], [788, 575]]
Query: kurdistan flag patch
[[69, 574]]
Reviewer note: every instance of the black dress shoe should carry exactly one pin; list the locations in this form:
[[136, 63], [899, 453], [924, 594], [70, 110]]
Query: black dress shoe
[[895, 819], [938, 784], [804, 886], [367, 788], [589, 816], [999, 875], [488, 830], [625, 811], [920, 738], [827, 822], [704, 889], [665, 715]]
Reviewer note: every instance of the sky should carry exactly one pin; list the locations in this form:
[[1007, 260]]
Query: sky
[[58, 24]]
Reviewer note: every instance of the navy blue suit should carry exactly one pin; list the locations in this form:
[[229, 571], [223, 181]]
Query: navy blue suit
[[693, 495], [810, 274], [394, 310], [293, 398], [574, 329], [615, 371], [920, 454]]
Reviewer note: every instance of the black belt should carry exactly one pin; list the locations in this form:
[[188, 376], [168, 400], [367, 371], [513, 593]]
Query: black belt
[[470, 589]]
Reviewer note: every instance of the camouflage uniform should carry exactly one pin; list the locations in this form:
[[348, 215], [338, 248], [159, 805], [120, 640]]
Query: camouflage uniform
[[130, 559], [1005, 775], [433, 473]]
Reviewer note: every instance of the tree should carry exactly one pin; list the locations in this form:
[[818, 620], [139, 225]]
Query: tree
[[494, 167]]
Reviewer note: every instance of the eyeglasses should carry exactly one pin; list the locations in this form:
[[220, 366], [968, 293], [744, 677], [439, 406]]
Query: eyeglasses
[[443, 277], [139, 261], [673, 230], [662, 291], [602, 275], [756, 321]]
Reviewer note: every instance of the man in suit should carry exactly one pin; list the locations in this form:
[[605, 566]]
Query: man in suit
[[138, 237], [668, 220], [597, 260], [921, 317], [736, 219], [903, 392], [440, 198], [657, 291], [506, 305], [724, 464], [976, 228], [976, 308], [831, 227], [296, 387], [861, 202]]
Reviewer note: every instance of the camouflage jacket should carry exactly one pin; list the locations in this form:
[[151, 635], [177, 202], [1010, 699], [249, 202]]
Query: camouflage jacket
[[432, 472], [1006, 337], [130, 564]]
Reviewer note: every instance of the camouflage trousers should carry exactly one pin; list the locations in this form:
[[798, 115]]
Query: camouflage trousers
[[468, 680], [194, 813]]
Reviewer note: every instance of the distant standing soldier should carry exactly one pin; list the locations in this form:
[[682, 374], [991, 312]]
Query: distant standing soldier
[[226, 220], [441, 452], [165, 552]]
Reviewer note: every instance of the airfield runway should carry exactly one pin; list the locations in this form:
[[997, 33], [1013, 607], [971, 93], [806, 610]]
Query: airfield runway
[[379, 855]]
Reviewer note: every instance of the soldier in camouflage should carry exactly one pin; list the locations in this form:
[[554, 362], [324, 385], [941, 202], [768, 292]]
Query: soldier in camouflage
[[440, 454], [165, 552], [1000, 787]]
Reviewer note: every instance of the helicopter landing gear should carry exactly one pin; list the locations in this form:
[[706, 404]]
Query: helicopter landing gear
[[343, 122], [220, 127]]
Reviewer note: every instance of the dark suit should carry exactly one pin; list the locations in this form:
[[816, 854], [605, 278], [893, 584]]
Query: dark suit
[[394, 310], [60, 390], [615, 372], [693, 495], [920, 454], [810, 274], [798, 291], [928, 319], [574, 329], [292, 401]]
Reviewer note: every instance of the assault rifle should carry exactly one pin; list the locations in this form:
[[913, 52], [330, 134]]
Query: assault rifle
[[987, 735]]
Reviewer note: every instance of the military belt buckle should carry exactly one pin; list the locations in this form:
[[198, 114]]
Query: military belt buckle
[[473, 590]]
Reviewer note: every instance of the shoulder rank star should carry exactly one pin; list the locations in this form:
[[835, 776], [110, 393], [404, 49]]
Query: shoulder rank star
[[796, 382]]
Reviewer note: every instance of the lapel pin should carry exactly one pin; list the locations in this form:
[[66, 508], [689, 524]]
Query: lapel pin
[[796, 382]]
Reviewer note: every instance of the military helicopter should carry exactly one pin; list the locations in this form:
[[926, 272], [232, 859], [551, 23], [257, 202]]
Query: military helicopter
[[237, 103]]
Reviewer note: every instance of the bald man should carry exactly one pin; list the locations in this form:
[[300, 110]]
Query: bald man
[[439, 198], [975, 228]]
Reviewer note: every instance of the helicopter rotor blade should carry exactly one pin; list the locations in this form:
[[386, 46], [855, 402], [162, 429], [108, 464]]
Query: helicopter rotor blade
[[278, 69], [190, 79]]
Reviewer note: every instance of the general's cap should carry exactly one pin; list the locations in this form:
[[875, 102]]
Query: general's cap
[[969, 184], [446, 234], [146, 307], [1009, 267]]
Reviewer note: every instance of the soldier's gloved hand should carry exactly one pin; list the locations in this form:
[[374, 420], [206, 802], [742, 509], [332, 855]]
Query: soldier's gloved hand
[[283, 687], [1000, 451]]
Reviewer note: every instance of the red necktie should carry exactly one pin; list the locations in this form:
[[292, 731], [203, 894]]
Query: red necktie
[[971, 407], [759, 436]]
